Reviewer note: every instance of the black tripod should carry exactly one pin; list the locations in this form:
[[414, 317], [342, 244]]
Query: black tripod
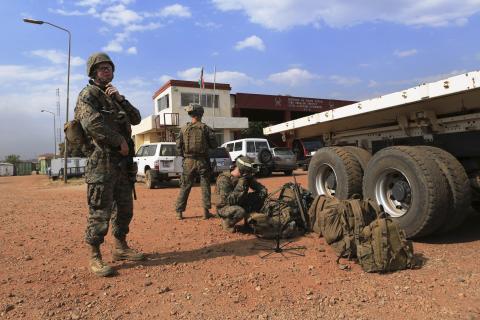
[[278, 247]]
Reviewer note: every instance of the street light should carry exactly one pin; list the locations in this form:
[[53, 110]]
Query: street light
[[65, 156], [54, 135]]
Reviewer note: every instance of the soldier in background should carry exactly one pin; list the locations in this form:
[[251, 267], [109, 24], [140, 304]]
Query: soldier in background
[[193, 143], [106, 118], [231, 196]]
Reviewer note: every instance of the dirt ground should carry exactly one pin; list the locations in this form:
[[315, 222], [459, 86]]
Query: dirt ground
[[197, 271]]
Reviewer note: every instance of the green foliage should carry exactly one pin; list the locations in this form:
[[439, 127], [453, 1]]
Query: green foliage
[[255, 129], [12, 158]]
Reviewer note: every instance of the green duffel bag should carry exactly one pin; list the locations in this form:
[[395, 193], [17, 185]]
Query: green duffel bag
[[382, 247]]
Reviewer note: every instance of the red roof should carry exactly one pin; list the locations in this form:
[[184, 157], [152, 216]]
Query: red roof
[[190, 84]]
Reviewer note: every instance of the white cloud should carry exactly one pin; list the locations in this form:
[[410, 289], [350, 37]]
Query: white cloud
[[405, 53], [113, 46], [208, 25], [344, 81], [145, 27], [372, 84], [164, 78], [120, 15], [292, 77], [58, 57], [68, 13], [285, 14], [251, 42], [132, 50], [10, 74], [176, 10], [88, 3], [234, 78]]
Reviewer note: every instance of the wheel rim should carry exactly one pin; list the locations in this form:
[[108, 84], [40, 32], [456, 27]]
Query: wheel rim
[[326, 180], [393, 191]]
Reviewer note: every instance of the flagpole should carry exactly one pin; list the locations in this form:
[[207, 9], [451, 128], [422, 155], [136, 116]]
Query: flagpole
[[214, 93]]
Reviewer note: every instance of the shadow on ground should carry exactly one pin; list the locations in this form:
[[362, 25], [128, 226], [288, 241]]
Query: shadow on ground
[[469, 231], [239, 248]]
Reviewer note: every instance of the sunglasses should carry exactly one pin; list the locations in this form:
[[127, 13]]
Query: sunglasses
[[105, 68]]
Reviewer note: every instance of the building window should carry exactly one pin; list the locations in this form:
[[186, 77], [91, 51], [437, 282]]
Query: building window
[[207, 99], [219, 136], [162, 103]]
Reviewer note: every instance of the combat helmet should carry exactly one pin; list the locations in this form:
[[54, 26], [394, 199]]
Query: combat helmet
[[194, 109], [96, 58], [247, 166]]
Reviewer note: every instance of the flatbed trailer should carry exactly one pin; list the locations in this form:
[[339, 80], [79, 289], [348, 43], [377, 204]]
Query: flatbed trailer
[[415, 151]]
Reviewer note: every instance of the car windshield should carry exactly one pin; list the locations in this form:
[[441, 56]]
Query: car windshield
[[219, 153], [283, 152], [168, 150], [150, 150], [312, 145]]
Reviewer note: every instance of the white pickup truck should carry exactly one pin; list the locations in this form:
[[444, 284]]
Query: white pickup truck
[[158, 162], [415, 151]]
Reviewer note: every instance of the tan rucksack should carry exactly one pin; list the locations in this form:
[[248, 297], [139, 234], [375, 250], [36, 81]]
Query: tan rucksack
[[194, 140], [339, 221], [382, 247]]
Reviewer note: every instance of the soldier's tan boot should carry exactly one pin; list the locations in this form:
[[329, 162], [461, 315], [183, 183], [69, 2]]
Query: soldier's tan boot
[[207, 215], [124, 252], [179, 215], [97, 265], [227, 226]]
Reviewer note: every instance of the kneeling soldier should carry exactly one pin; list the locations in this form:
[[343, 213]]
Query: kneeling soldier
[[231, 197]]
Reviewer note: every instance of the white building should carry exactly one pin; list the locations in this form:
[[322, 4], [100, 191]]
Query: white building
[[169, 114], [6, 169]]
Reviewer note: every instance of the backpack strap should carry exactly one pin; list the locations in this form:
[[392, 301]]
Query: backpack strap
[[373, 205], [384, 244], [343, 209], [405, 247], [358, 217]]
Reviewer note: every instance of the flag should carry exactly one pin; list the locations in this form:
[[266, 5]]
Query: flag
[[201, 83]]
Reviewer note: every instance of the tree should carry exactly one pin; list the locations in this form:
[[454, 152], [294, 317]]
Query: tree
[[12, 158], [255, 129]]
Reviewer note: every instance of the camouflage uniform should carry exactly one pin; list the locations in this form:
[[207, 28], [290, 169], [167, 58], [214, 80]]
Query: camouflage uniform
[[106, 124], [232, 199], [195, 164]]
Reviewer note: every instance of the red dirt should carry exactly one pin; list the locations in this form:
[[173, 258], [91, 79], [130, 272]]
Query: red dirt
[[197, 271]]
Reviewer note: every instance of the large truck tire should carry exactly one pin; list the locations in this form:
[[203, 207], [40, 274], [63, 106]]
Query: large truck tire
[[411, 188], [460, 196], [360, 154], [334, 171]]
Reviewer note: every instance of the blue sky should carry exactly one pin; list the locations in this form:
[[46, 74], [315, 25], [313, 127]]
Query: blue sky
[[326, 49]]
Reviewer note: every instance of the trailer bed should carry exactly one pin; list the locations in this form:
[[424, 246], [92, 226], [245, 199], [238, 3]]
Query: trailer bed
[[451, 96]]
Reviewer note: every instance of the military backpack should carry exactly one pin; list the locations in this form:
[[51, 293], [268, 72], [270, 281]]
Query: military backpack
[[194, 140], [281, 216], [382, 247], [357, 228], [340, 220]]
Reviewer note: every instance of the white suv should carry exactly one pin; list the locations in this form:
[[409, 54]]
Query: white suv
[[158, 162], [255, 148]]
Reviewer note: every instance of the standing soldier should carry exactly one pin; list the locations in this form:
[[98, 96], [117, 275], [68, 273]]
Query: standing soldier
[[193, 143], [232, 198], [106, 118]]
